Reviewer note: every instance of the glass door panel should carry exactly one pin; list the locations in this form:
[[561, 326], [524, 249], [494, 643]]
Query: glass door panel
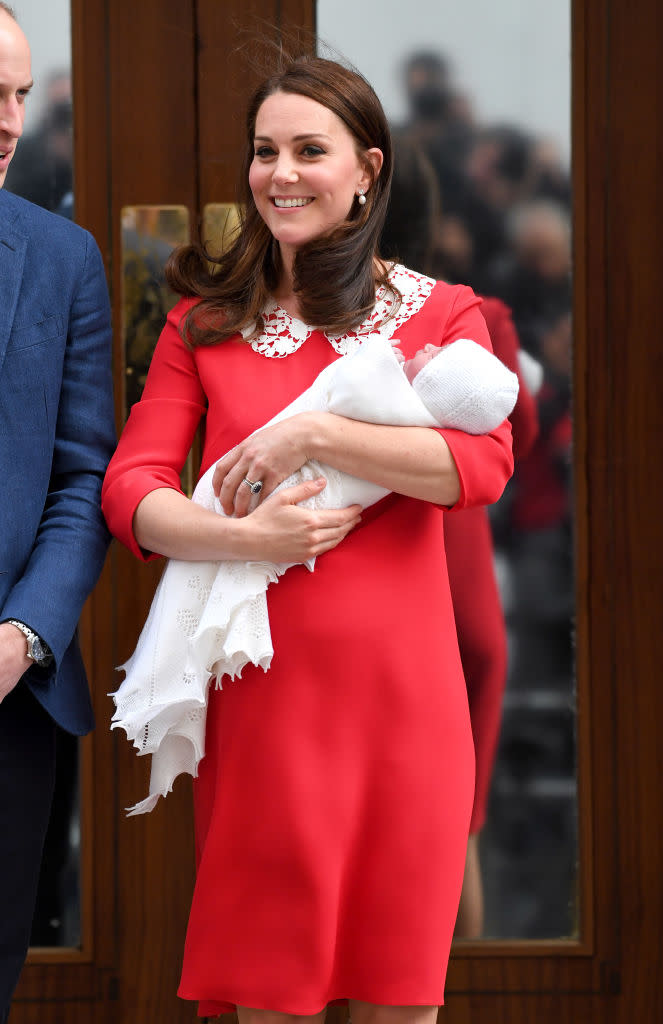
[[478, 96]]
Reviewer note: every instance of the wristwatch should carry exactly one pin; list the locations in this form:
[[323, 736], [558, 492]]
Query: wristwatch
[[38, 651]]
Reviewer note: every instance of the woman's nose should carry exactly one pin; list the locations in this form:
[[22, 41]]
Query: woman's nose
[[285, 171]]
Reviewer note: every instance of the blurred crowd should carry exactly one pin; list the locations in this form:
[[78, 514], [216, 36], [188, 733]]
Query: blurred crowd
[[42, 170], [489, 205]]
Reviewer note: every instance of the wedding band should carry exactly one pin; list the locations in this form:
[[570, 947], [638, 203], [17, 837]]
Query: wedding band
[[254, 488]]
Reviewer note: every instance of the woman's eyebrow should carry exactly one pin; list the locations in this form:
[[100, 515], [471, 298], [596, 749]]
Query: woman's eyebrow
[[296, 138]]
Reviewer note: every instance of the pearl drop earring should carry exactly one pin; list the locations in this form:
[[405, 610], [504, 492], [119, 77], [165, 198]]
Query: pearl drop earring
[[361, 198]]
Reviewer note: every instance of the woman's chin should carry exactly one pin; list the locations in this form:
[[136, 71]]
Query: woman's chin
[[293, 239]]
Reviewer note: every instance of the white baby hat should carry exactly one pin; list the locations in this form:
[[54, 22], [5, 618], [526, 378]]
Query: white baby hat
[[478, 392]]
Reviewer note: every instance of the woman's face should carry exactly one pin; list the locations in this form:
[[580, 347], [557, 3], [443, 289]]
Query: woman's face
[[306, 171]]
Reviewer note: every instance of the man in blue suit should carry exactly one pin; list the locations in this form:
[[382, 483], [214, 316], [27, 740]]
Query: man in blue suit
[[56, 437]]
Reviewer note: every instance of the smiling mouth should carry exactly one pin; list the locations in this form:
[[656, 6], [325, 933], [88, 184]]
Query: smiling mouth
[[285, 204]]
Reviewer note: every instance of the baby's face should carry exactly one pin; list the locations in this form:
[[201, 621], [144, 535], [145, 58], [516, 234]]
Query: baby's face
[[419, 360]]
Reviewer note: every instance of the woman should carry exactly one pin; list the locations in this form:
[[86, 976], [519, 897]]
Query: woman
[[330, 853]]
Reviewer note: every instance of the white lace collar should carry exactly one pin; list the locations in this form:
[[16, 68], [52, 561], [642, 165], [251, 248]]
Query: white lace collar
[[283, 334]]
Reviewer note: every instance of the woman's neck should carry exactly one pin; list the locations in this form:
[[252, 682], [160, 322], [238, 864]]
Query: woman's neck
[[284, 293]]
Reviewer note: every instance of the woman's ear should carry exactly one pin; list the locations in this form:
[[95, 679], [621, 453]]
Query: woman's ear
[[374, 158]]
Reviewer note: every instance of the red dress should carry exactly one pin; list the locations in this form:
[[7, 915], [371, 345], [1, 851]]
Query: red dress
[[330, 844]]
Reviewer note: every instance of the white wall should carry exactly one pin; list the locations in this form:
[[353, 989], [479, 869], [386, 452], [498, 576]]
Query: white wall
[[512, 56]]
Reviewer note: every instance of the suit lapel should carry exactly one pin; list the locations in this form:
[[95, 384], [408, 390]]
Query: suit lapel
[[13, 246]]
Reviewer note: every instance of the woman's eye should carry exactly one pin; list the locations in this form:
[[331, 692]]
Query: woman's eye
[[313, 151], [264, 151]]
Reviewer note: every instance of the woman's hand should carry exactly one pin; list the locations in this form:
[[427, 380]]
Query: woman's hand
[[281, 530], [270, 456]]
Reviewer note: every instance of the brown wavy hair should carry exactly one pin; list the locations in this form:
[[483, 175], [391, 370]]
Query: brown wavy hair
[[336, 275]]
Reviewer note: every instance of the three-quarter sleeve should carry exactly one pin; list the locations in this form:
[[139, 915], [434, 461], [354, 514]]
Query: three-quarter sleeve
[[158, 434], [485, 461]]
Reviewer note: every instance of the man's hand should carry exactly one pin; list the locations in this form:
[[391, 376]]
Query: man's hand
[[14, 659]]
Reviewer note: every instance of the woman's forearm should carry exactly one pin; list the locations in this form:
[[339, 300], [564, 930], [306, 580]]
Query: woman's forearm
[[166, 522], [414, 461], [279, 530]]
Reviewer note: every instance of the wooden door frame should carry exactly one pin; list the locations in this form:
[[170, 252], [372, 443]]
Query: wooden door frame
[[135, 901]]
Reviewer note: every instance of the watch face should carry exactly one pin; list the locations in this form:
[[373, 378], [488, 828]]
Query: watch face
[[38, 652]]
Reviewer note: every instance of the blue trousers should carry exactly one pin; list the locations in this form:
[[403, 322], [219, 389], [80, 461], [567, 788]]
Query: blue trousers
[[27, 775]]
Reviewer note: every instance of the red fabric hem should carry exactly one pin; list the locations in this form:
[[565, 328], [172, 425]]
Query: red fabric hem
[[215, 1008]]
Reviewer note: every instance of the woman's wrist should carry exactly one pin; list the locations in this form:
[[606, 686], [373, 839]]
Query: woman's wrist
[[314, 428], [167, 522], [241, 540]]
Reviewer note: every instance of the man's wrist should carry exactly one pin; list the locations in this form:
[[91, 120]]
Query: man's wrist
[[37, 650]]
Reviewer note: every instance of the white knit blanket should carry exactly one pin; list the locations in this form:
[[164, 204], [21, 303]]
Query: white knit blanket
[[209, 619]]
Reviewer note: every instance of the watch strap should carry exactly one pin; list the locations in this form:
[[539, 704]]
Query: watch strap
[[46, 655]]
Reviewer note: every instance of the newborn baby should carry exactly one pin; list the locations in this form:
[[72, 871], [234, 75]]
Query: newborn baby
[[420, 359], [209, 619]]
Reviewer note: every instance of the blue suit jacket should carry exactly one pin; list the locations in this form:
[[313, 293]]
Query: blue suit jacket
[[56, 437]]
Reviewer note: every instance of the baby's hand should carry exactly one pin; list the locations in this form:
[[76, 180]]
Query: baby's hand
[[397, 352]]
